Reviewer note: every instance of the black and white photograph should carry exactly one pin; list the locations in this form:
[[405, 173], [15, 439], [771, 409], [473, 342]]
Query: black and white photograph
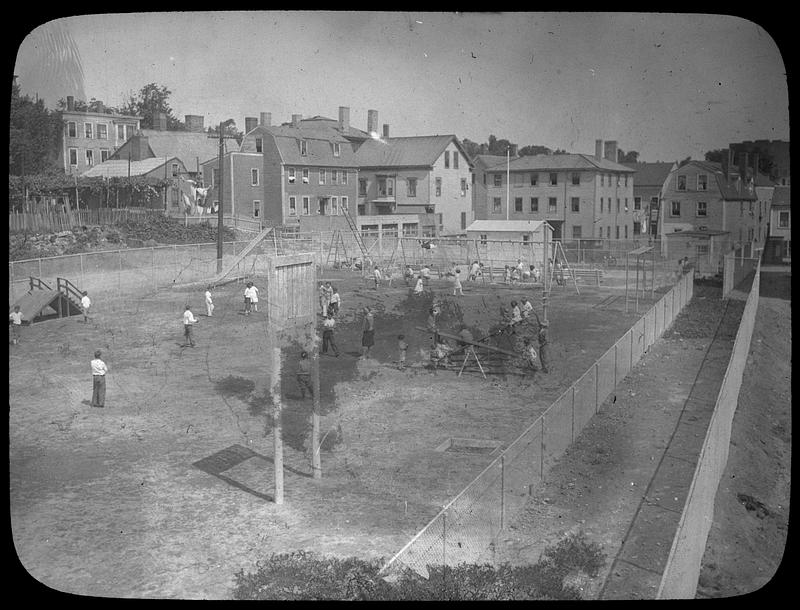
[[399, 305]]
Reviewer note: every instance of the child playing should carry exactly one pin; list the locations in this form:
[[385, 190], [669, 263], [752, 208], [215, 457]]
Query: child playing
[[402, 347], [247, 297], [254, 296], [457, 283], [335, 301], [86, 303], [209, 302], [188, 321], [15, 322], [420, 287]]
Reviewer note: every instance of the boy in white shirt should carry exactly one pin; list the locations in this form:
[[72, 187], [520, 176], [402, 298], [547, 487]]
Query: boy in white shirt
[[86, 303], [209, 302], [336, 301], [99, 370], [247, 299], [15, 321], [188, 321], [254, 297]]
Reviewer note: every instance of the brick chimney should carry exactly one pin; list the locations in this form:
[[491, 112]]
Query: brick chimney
[[611, 150], [195, 122], [296, 118], [266, 119], [385, 130], [598, 150], [70, 103], [101, 107], [344, 118], [250, 123], [372, 121]]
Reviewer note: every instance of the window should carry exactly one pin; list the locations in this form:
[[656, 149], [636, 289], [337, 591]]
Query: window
[[337, 150], [517, 204], [290, 173], [637, 228], [303, 148], [411, 187], [496, 205], [386, 187], [576, 178], [617, 205], [305, 175], [344, 176], [463, 187], [362, 187], [551, 205], [446, 159], [439, 221], [575, 204], [626, 204], [438, 187], [534, 204], [637, 203], [626, 231], [702, 208], [334, 176], [675, 210], [174, 170], [73, 156], [526, 239], [463, 220], [702, 182], [619, 179], [626, 179], [602, 179], [701, 249], [72, 129], [783, 220], [103, 155], [553, 179], [87, 127], [576, 231], [534, 179], [344, 204], [455, 162], [498, 179], [121, 133], [334, 205], [616, 231], [306, 206], [601, 205], [102, 131], [254, 176], [681, 183], [259, 145], [89, 158], [608, 232], [484, 239], [256, 208], [292, 206], [741, 209]]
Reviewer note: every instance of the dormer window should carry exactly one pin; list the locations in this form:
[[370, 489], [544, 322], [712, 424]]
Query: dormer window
[[336, 149], [303, 148], [259, 145]]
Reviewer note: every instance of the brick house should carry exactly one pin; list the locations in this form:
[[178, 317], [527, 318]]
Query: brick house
[[90, 138], [580, 196]]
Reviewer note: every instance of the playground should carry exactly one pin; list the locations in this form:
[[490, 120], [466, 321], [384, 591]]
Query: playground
[[167, 491]]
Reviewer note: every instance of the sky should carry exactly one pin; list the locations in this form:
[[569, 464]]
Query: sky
[[666, 85]]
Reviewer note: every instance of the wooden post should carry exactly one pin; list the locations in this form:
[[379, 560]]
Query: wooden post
[[596, 387], [83, 280], [277, 429], [119, 274], [502, 491]]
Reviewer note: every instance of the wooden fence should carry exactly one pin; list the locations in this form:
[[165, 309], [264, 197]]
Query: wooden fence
[[55, 221]]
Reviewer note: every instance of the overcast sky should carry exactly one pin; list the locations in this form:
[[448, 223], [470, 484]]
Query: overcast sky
[[665, 85]]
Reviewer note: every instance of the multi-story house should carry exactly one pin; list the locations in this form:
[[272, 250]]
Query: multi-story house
[[481, 164], [580, 196], [779, 243], [90, 138], [649, 181], [425, 176]]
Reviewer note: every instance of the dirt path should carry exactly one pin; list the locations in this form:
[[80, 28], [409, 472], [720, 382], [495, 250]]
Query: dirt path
[[624, 480]]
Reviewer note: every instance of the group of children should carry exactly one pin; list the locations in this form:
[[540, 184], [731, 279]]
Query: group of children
[[514, 274]]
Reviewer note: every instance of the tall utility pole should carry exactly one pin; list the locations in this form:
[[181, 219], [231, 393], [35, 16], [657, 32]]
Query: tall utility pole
[[222, 137], [508, 180]]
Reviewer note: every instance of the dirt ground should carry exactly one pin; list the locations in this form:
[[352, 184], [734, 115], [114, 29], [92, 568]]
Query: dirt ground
[[167, 492], [612, 478]]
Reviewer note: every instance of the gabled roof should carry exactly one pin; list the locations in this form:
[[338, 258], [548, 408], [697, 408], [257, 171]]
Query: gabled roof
[[562, 162], [486, 161], [781, 196], [188, 146], [650, 174], [517, 226], [728, 187], [412, 151], [118, 168]]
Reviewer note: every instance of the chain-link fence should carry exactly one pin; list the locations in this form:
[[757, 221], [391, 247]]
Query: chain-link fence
[[465, 527], [682, 572]]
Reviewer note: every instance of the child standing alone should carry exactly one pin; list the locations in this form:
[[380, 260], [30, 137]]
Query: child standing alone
[[402, 347]]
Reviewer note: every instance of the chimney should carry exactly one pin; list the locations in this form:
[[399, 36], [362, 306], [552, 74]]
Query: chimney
[[101, 107], [385, 130], [266, 119], [250, 123], [296, 118], [344, 118], [372, 121], [598, 150], [160, 121], [611, 150], [70, 103], [729, 164], [195, 122]]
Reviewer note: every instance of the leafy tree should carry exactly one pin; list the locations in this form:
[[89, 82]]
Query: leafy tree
[[627, 157], [534, 149], [34, 134], [149, 100], [717, 156]]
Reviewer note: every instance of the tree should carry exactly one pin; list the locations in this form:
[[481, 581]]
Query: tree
[[534, 149], [719, 155], [34, 133], [627, 157], [149, 100]]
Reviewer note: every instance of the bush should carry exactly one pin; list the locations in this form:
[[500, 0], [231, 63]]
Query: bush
[[302, 575]]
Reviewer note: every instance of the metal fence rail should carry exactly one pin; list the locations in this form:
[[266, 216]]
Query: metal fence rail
[[466, 525], [682, 571]]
